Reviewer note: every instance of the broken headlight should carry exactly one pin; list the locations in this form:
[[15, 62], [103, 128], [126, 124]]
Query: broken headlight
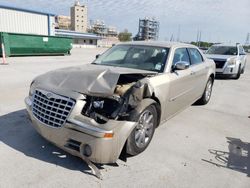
[[101, 109]]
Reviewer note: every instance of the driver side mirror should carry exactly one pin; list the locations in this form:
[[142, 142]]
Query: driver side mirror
[[98, 55], [181, 65]]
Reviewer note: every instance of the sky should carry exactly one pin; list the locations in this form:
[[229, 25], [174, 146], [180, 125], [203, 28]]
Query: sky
[[218, 20]]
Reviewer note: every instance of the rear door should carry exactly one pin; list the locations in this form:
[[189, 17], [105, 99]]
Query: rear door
[[181, 84], [199, 72]]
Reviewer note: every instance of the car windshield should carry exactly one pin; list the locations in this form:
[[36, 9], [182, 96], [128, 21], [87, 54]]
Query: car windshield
[[223, 50], [135, 56]]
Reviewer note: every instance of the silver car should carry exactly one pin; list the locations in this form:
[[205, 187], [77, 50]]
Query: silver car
[[230, 59], [96, 111]]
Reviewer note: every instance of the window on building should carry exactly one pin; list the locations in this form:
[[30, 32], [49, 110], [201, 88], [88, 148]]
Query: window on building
[[91, 41]]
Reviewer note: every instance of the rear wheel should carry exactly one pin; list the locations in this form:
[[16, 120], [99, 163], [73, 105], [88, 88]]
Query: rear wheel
[[207, 93], [142, 134]]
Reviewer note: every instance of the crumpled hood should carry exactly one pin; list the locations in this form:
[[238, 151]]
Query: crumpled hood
[[88, 79], [219, 57]]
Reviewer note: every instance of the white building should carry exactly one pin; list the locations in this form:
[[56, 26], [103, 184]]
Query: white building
[[79, 17], [17, 20]]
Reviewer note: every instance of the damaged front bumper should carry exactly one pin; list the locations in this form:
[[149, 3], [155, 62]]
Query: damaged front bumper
[[83, 137]]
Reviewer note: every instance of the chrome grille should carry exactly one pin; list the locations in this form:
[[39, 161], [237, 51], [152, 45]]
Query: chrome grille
[[50, 108]]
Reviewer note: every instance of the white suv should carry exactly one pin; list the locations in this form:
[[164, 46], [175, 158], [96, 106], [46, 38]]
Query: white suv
[[230, 59]]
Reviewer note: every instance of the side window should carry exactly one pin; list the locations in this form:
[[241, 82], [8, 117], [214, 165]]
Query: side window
[[241, 50], [195, 56], [180, 54]]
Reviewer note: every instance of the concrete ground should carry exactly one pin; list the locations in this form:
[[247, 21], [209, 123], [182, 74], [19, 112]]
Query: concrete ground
[[204, 146]]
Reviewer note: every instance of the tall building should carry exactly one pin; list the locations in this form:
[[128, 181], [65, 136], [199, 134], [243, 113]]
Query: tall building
[[148, 29], [79, 17]]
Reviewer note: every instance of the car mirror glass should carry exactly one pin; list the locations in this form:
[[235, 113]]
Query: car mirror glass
[[181, 65]]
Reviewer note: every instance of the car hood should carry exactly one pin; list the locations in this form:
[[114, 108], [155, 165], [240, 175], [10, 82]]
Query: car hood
[[89, 79], [220, 57]]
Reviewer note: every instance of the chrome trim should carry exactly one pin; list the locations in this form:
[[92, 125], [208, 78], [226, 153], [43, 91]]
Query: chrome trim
[[51, 109]]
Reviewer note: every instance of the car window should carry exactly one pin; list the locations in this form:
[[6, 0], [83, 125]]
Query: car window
[[117, 55], [241, 49], [195, 56], [180, 54], [142, 57]]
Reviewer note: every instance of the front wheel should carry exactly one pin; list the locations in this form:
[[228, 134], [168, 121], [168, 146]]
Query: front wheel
[[142, 134], [207, 93], [239, 73]]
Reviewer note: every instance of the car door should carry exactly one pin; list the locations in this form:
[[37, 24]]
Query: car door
[[199, 73], [181, 84]]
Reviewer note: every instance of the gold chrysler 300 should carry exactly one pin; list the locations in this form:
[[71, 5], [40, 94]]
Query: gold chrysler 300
[[112, 106]]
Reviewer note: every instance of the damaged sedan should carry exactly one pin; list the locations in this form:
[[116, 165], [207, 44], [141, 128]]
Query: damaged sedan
[[112, 106]]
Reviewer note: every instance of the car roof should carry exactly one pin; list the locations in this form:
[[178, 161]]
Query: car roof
[[158, 44]]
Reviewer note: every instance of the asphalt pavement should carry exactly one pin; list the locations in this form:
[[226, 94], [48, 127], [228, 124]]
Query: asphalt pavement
[[203, 146]]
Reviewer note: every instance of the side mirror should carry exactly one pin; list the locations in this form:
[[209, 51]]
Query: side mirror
[[98, 55], [181, 65]]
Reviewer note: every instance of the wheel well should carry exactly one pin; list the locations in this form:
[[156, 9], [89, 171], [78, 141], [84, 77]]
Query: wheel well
[[158, 108], [212, 76]]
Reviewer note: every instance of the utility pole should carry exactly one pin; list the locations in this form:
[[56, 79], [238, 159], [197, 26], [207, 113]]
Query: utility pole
[[247, 39], [179, 33]]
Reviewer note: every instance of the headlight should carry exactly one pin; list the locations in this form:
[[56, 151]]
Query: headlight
[[32, 89], [231, 61]]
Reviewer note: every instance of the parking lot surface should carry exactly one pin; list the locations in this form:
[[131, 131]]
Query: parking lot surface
[[204, 146]]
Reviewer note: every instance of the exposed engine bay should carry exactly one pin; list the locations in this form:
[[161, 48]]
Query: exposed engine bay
[[128, 92]]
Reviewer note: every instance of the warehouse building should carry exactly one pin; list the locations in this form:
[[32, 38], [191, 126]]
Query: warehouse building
[[80, 40], [17, 20], [23, 21]]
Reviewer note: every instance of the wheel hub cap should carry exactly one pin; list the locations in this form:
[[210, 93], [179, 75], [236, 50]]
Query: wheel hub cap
[[144, 129]]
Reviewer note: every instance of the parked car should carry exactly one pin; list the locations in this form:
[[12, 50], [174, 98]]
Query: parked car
[[230, 59], [96, 111]]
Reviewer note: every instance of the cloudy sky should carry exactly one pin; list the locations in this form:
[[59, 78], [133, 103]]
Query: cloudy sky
[[218, 20]]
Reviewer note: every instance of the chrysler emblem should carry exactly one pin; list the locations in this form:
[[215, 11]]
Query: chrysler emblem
[[49, 95]]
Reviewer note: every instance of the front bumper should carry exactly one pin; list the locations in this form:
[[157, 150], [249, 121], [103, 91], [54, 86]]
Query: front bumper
[[228, 70], [80, 131]]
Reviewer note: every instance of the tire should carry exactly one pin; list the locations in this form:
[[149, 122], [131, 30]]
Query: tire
[[239, 73], [142, 134], [207, 93]]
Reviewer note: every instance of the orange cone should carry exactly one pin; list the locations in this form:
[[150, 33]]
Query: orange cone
[[3, 55]]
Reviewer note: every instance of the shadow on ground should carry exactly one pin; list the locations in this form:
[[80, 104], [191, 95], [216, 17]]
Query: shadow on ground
[[16, 132], [237, 158]]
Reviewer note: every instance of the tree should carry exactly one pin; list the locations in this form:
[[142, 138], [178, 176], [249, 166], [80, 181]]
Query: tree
[[125, 36]]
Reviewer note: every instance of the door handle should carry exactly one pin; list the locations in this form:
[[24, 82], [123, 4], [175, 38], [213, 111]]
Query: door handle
[[192, 73]]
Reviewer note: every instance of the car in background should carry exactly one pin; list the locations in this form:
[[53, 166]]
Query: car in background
[[230, 59], [98, 110]]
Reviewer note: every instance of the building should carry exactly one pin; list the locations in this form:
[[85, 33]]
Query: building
[[18, 20], [79, 17], [148, 29], [80, 40], [63, 22], [100, 28]]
